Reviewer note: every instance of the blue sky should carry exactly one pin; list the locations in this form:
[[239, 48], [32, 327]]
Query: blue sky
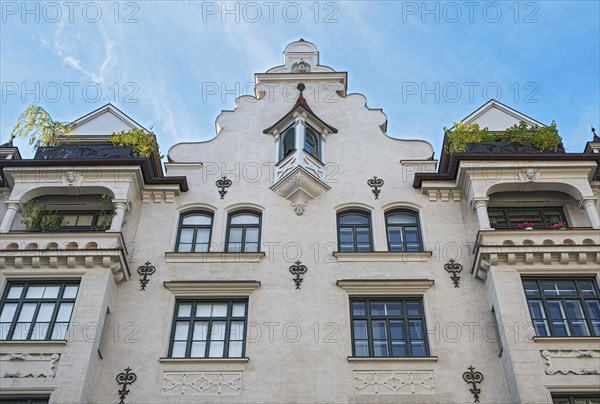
[[427, 64]]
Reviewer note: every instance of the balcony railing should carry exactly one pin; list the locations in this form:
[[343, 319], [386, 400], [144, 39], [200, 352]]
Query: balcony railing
[[83, 152]]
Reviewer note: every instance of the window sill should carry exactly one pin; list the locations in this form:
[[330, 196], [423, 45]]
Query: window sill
[[212, 257], [392, 359], [33, 342], [566, 339], [383, 256], [203, 360]]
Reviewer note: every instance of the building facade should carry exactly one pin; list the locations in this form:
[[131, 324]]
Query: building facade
[[300, 256]]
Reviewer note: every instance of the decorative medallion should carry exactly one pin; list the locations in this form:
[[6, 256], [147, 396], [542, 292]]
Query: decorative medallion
[[298, 270], [473, 378], [298, 207], [223, 183], [145, 271], [126, 378], [376, 184], [454, 268]]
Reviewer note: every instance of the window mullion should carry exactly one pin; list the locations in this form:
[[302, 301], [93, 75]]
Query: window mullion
[[388, 330], [406, 328], [59, 302], [188, 345], [227, 329]]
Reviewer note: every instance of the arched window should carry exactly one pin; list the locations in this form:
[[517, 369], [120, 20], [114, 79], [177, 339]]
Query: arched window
[[311, 142], [403, 233], [354, 232], [288, 142], [195, 229], [243, 232]]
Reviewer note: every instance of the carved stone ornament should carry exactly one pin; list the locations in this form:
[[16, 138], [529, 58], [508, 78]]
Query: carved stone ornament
[[71, 177], [298, 207], [577, 362], [202, 383], [20, 365], [394, 382], [529, 174]]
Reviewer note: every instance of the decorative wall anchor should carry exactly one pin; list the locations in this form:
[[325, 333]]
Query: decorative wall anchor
[[126, 378], [145, 271], [376, 184], [454, 268], [473, 378], [223, 183], [298, 270]]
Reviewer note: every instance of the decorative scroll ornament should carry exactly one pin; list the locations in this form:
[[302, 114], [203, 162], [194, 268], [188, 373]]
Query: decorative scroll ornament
[[298, 207], [454, 268], [145, 271], [223, 183], [298, 270], [473, 378], [376, 184], [126, 378]]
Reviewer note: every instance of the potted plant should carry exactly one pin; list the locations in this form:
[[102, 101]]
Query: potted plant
[[562, 225], [37, 218], [526, 226]]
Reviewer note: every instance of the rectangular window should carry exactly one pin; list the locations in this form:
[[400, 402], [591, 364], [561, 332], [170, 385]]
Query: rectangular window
[[576, 399], [511, 218], [86, 221], [563, 307], [37, 311], [209, 329], [389, 327]]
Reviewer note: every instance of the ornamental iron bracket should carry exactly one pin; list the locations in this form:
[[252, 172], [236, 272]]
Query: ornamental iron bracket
[[454, 268], [145, 271], [473, 378], [125, 378], [376, 184], [298, 269], [223, 183]]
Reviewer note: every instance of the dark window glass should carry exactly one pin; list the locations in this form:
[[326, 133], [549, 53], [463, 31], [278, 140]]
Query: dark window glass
[[209, 329], [403, 232], [576, 399], [195, 230], [85, 221], [509, 218], [36, 311], [354, 232], [311, 142], [288, 142], [393, 327], [243, 232], [563, 307]]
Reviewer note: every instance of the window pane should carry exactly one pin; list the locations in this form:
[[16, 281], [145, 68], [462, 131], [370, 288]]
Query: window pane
[[360, 329], [85, 219], [399, 348], [555, 309], [186, 236], [587, 288], [361, 348], [593, 307], [236, 333], [70, 292], [216, 349], [413, 308], [559, 288], [574, 309], [197, 219], [362, 235], [200, 331], [8, 312], [27, 311], [51, 292], [198, 349], [536, 309], [203, 309], [59, 331], [379, 330], [238, 310], [244, 218], [531, 288], [401, 218], [415, 329], [202, 236], [354, 218], [380, 348], [45, 312], [541, 328], [184, 248], [178, 350], [397, 330], [35, 292], [235, 349], [39, 332], [181, 330], [219, 310], [418, 348], [218, 330], [184, 310], [64, 312], [14, 292], [21, 331], [412, 234], [358, 309], [377, 309]]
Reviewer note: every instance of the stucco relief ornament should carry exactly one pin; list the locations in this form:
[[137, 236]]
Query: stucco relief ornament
[[71, 177], [223, 183], [529, 174], [301, 66], [376, 184], [298, 207]]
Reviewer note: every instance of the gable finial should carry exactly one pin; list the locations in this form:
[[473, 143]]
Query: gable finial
[[301, 87]]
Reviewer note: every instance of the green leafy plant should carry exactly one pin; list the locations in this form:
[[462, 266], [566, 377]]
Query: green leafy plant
[[142, 141], [105, 216], [36, 125], [37, 218], [541, 138]]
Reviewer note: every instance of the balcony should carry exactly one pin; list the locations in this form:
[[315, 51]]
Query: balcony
[[79, 250], [83, 152], [568, 249]]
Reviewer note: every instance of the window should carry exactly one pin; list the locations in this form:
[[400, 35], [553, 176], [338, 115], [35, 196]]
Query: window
[[311, 142], [194, 232], [243, 232], [209, 329], [37, 311], [21, 400], [576, 399], [86, 221], [563, 307], [509, 218], [354, 232], [288, 142], [403, 231], [394, 327]]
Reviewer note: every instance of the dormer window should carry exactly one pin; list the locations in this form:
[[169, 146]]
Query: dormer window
[[311, 142], [288, 142]]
